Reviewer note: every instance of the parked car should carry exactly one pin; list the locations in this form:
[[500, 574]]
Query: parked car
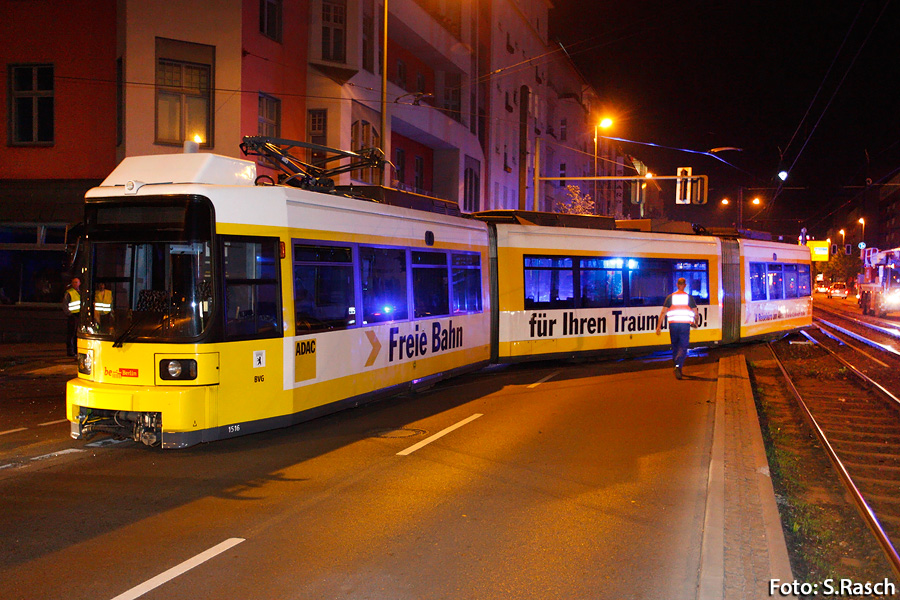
[[821, 288], [837, 290]]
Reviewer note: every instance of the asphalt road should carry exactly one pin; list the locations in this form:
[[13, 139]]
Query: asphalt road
[[559, 481]]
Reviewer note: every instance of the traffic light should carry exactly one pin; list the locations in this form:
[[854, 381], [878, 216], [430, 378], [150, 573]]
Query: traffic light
[[683, 185], [698, 191], [637, 191]]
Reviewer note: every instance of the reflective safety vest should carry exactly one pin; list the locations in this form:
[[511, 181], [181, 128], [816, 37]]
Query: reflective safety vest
[[73, 301], [103, 302], [680, 311]]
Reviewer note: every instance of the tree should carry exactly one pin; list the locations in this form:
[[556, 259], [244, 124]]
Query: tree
[[578, 204], [841, 267]]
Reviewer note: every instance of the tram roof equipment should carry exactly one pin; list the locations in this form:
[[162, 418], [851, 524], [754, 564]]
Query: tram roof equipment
[[277, 154]]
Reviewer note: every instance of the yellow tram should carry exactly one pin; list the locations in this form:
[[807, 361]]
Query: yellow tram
[[239, 307]]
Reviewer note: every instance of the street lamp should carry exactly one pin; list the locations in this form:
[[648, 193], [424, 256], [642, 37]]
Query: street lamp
[[605, 123], [756, 202], [843, 237], [862, 222]]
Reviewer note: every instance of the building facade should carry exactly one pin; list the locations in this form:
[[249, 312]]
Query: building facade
[[474, 90]]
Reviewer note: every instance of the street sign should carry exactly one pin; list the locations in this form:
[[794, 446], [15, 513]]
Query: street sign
[[862, 245], [818, 250]]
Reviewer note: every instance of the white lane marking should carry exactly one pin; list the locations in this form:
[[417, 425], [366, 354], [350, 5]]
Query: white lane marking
[[13, 430], [60, 453], [151, 584], [52, 422], [547, 378], [438, 435]]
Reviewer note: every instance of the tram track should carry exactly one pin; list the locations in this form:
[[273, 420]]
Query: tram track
[[857, 421]]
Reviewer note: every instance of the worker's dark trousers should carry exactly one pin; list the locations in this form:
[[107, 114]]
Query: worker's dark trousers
[[680, 334]]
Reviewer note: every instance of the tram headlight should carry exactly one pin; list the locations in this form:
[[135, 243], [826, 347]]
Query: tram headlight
[[174, 368], [184, 369]]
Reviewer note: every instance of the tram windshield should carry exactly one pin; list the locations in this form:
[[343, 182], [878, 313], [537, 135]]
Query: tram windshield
[[150, 273]]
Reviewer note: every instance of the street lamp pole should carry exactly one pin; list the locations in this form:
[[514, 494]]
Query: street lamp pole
[[596, 174], [384, 61], [740, 208]]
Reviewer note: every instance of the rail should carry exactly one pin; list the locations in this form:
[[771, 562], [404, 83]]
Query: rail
[[862, 506]]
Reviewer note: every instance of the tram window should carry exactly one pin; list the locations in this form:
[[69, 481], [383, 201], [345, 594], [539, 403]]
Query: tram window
[[696, 273], [465, 271], [790, 281], [431, 288], [803, 281], [383, 278], [601, 282], [251, 288], [549, 282], [758, 281], [323, 288], [650, 281], [775, 280]]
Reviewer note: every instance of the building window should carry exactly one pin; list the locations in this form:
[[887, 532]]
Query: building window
[[401, 74], [318, 133], [270, 19], [368, 45], [334, 30], [471, 189], [31, 115], [120, 101], [269, 116], [452, 96], [420, 83], [563, 129], [184, 96], [562, 173], [400, 164], [364, 135], [419, 174]]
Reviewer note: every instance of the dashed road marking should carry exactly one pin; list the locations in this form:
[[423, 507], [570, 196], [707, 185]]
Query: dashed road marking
[[60, 453], [438, 435], [547, 378], [151, 584], [13, 430], [105, 442], [52, 422]]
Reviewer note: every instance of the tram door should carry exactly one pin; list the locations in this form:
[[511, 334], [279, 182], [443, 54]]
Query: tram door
[[731, 303]]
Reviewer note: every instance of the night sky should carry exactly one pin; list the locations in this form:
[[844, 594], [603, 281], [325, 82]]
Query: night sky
[[769, 77]]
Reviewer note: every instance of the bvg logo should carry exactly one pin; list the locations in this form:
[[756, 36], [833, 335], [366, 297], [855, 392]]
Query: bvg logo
[[122, 372], [305, 360]]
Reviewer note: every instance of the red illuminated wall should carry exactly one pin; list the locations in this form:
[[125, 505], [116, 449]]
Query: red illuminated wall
[[78, 37], [413, 66], [413, 149], [277, 69]]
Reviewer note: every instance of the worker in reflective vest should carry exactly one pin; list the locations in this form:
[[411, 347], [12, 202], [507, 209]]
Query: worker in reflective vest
[[102, 305], [680, 310], [72, 307]]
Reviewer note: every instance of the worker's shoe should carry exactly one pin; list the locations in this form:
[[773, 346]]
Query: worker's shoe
[[677, 372]]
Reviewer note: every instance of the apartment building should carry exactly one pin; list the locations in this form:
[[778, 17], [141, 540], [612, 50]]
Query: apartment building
[[472, 85]]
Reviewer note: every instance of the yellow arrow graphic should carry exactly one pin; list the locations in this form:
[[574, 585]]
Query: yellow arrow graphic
[[376, 347]]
